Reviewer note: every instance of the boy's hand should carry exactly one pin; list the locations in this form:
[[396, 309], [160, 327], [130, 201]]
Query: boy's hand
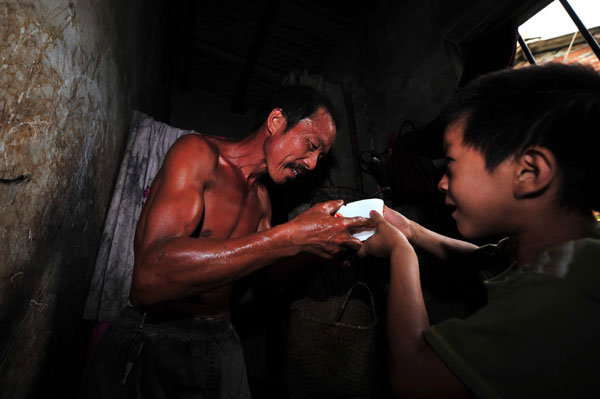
[[399, 221], [385, 240]]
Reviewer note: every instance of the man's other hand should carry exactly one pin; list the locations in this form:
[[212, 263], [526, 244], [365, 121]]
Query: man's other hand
[[317, 231]]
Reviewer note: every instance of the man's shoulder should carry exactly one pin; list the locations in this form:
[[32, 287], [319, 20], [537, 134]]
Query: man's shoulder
[[193, 147], [191, 157], [192, 142]]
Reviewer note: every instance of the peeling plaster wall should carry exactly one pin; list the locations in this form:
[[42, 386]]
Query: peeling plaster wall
[[70, 73]]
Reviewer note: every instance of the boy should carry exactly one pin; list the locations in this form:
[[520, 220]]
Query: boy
[[522, 163]]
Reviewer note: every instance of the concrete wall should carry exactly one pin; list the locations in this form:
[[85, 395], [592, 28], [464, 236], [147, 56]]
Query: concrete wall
[[407, 56], [71, 71], [398, 55]]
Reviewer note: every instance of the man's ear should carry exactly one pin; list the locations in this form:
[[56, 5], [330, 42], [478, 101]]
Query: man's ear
[[276, 122], [536, 170]]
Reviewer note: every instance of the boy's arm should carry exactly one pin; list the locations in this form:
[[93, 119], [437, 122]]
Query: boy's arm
[[415, 369], [439, 245]]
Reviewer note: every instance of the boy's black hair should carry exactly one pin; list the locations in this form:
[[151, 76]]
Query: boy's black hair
[[296, 103], [555, 106]]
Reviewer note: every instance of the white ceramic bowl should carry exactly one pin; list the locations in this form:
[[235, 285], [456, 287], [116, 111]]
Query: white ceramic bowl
[[361, 208]]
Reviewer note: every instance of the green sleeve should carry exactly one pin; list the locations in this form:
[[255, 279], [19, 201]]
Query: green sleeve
[[536, 337]]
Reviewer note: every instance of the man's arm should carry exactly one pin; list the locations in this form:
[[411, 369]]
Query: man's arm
[[283, 270], [439, 245], [170, 265], [415, 370]]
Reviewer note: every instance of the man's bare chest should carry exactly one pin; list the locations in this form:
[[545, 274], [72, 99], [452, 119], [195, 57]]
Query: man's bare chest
[[231, 210]]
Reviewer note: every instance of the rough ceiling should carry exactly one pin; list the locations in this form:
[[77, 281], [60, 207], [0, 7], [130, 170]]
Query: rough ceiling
[[242, 50]]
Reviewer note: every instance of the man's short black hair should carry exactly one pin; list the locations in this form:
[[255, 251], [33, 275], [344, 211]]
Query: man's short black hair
[[555, 106], [296, 103]]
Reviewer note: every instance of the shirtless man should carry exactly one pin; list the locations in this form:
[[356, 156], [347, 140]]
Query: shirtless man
[[206, 224]]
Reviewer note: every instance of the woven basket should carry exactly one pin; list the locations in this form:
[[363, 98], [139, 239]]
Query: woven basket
[[330, 346]]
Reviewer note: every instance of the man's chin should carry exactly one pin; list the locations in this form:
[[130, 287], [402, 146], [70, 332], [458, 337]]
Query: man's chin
[[290, 174], [282, 179]]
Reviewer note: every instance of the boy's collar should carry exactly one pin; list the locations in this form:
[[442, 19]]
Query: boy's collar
[[556, 261]]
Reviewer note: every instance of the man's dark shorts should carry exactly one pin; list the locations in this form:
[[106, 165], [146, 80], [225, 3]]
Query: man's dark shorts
[[190, 358]]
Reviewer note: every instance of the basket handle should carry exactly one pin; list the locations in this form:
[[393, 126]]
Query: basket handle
[[347, 298]]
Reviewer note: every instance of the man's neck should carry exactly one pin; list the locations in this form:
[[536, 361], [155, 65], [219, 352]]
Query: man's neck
[[247, 155]]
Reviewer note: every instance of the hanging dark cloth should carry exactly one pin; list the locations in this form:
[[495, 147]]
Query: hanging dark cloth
[[148, 143]]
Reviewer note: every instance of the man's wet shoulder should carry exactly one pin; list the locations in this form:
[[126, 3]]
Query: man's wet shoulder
[[195, 145], [194, 141], [191, 156]]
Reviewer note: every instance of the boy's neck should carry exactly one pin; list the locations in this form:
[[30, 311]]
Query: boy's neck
[[543, 233]]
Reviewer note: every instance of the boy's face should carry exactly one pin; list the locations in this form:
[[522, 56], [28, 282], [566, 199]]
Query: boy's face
[[482, 199]]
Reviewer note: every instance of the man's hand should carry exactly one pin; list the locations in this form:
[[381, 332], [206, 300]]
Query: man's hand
[[386, 240], [317, 231]]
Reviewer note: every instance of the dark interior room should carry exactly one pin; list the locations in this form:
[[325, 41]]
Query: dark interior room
[[93, 94]]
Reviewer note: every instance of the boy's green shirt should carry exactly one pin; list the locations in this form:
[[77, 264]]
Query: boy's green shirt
[[539, 334]]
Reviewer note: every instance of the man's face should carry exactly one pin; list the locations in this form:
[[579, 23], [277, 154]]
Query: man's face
[[296, 151], [482, 200]]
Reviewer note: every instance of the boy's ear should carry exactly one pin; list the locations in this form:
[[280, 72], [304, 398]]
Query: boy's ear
[[276, 122], [536, 170]]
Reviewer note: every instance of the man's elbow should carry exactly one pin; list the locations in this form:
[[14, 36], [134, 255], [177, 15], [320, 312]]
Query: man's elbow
[[143, 290], [135, 298]]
